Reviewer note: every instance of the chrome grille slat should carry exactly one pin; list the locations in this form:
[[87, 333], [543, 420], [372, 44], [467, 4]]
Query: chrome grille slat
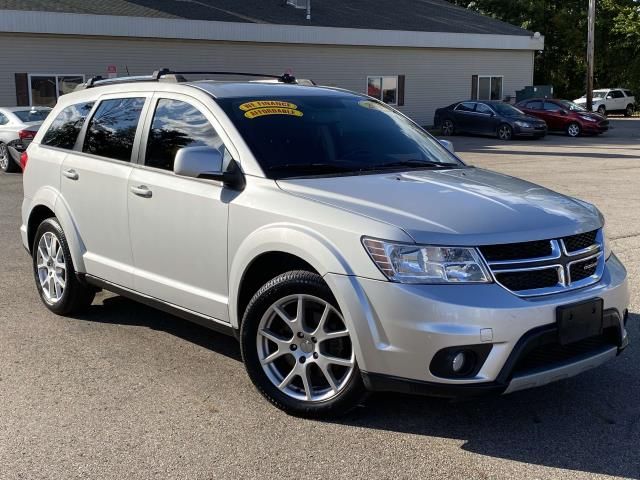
[[532, 270]]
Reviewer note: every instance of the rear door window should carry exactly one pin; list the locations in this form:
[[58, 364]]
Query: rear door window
[[64, 130], [465, 107], [177, 124], [552, 107], [482, 108], [112, 129], [629, 93]]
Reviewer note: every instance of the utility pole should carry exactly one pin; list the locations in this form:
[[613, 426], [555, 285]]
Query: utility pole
[[590, 49]]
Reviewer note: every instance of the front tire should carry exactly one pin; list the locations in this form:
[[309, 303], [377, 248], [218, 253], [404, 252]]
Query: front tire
[[505, 132], [628, 112], [573, 129], [602, 110], [59, 288], [297, 347], [7, 165]]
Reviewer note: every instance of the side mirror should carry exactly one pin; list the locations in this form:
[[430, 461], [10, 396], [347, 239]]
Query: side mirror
[[448, 145], [609, 96], [563, 112], [207, 163]]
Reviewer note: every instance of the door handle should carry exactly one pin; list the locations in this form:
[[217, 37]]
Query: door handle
[[142, 191], [71, 174]]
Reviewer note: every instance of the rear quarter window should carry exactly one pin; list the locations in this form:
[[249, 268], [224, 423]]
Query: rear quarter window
[[64, 130]]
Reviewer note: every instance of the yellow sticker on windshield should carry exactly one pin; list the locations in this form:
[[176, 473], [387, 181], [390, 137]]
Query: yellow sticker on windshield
[[261, 108]]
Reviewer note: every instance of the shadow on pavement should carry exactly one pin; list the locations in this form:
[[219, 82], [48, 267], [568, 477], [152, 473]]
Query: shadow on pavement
[[119, 310]]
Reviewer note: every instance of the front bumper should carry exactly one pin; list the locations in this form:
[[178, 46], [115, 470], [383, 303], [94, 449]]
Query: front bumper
[[399, 329], [535, 132]]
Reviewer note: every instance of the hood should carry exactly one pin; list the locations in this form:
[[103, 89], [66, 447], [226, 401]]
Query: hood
[[467, 206], [583, 100]]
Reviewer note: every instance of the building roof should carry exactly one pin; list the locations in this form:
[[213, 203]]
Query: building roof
[[402, 15]]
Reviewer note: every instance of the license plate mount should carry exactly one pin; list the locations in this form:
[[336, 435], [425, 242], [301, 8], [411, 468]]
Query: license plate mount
[[579, 321]]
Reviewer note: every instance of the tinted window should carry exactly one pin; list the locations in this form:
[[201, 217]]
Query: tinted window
[[552, 107], [177, 125], [3, 120], [27, 116], [113, 128], [536, 105], [465, 107], [617, 94], [64, 130], [482, 108], [331, 134]]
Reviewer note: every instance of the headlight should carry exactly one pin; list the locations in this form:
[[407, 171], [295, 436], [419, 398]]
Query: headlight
[[427, 264], [607, 243], [588, 119], [522, 124]]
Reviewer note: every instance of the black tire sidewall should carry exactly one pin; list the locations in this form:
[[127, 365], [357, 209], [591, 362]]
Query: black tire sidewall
[[291, 283]]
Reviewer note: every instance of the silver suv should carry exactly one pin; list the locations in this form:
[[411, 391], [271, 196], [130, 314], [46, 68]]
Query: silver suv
[[347, 249]]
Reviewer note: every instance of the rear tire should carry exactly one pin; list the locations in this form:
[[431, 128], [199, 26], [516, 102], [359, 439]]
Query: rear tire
[[629, 111], [505, 132], [297, 348], [7, 165], [56, 280], [573, 129], [448, 128]]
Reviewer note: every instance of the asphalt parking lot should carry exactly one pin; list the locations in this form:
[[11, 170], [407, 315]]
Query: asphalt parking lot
[[126, 392]]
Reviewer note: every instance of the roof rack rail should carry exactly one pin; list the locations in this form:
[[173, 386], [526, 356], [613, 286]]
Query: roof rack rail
[[170, 75], [284, 78]]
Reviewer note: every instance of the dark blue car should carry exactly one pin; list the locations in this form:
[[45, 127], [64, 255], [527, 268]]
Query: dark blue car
[[493, 118]]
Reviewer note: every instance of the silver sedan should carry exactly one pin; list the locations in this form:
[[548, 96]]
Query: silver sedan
[[18, 126]]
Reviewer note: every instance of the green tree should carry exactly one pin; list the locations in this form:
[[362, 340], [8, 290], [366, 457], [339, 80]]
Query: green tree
[[564, 25]]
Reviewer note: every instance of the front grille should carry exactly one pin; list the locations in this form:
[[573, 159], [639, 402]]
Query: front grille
[[580, 241], [550, 266], [528, 279], [516, 251], [583, 269], [552, 353]]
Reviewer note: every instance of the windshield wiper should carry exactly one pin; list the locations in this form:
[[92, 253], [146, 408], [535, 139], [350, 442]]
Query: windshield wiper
[[312, 167], [412, 163]]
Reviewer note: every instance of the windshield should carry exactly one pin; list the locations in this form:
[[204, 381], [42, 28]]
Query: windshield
[[330, 134], [574, 107], [599, 94], [28, 116], [506, 110]]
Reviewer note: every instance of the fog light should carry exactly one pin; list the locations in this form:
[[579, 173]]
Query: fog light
[[459, 361]]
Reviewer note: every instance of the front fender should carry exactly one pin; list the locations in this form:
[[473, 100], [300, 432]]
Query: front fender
[[297, 240]]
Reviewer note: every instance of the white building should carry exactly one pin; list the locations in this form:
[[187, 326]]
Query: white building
[[416, 54]]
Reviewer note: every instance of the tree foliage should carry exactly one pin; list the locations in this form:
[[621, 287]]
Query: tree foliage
[[564, 25]]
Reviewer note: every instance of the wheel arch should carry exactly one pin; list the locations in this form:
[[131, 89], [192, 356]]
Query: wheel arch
[[48, 203], [273, 250]]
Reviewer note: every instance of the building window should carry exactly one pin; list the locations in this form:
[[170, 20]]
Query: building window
[[486, 87], [387, 89], [45, 89]]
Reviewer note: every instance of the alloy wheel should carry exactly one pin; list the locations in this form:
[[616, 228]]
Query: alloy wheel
[[4, 156], [573, 130], [447, 128], [504, 132], [304, 348], [52, 269]]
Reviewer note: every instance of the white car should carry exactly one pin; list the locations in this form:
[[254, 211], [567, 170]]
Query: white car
[[18, 126], [611, 100]]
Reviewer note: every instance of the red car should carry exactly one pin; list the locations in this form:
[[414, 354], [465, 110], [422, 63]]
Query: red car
[[565, 116]]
